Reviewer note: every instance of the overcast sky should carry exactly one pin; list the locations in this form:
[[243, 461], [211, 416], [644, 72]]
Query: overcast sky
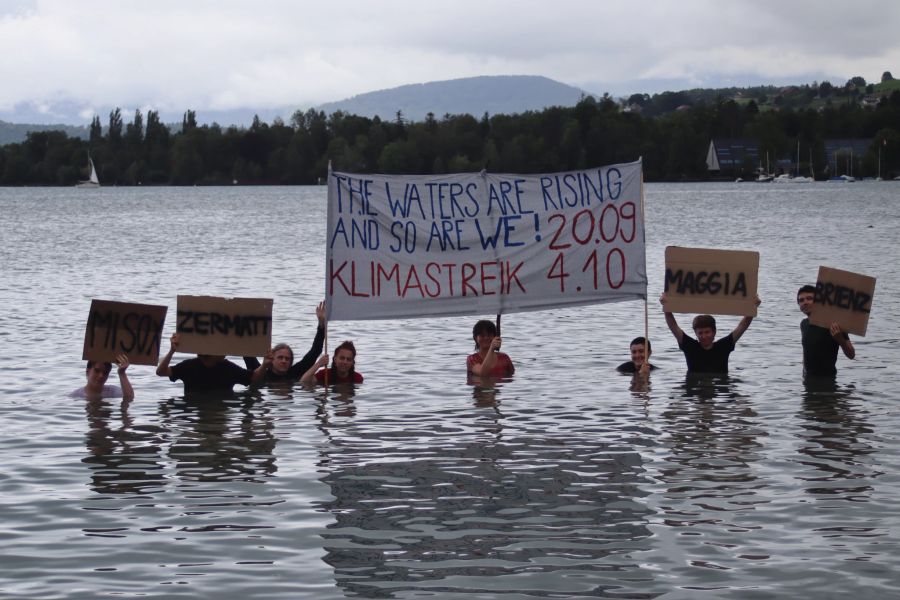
[[171, 55]]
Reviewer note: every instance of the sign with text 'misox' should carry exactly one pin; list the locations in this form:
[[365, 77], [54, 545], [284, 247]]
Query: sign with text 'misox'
[[224, 326], [715, 282], [403, 246], [843, 297], [115, 328]]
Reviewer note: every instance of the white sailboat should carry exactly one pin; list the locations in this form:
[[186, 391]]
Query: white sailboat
[[787, 178], [93, 180]]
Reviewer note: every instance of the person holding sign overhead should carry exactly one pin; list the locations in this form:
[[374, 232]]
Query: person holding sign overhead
[[277, 363], [206, 372], [820, 345], [705, 354], [488, 360], [343, 367], [97, 373]]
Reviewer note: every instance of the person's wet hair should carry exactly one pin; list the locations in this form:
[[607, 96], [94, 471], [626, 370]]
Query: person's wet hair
[[484, 326], [640, 341], [806, 289], [278, 347], [701, 321], [106, 365]]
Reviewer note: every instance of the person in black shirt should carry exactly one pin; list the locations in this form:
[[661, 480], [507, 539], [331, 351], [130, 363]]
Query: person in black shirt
[[820, 345], [705, 354], [640, 360], [207, 372]]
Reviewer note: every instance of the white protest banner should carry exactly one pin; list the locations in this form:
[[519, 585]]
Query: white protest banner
[[715, 282], [229, 326], [843, 297], [403, 246], [115, 328]]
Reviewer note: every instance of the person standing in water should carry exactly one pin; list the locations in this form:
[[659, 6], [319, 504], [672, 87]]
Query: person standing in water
[[640, 358], [98, 372], [705, 354], [488, 360], [820, 345], [277, 363], [206, 372], [343, 367]]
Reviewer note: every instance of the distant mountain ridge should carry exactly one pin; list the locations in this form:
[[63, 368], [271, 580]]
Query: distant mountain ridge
[[495, 94], [11, 133]]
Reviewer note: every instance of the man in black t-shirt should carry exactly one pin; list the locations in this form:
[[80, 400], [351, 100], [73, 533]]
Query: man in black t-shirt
[[206, 373], [705, 354], [820, 345]]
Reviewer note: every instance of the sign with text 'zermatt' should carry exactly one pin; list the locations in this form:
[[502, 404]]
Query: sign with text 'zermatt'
[[403, 246]]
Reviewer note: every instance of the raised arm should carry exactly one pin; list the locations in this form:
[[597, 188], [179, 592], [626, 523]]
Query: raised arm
[[163, 369], [310, 375], [300, 367], [670, 320], [743, 325], [843, 340], [127, 390]]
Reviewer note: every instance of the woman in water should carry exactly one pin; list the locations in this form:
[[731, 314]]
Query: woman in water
[[488, 361], [343, 367], [278, 360], [97, 373]]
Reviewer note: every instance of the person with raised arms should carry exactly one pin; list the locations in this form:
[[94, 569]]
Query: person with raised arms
[[206, 372], [343, 367], [820, 345], [488, 361], [97, 373], [640, 358], [705, 354], [277, 363]]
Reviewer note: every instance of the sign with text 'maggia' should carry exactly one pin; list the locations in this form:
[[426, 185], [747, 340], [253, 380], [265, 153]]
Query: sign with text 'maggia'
[[224, 326], [403, 246], [716, 282]]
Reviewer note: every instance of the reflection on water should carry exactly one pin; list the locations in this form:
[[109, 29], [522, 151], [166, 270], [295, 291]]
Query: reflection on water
[[122, 458], [834, 445], [568, 480], [220, 440], [467, 502], [713, 440]]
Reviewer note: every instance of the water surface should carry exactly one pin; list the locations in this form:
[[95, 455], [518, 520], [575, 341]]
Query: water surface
[[570, 480]]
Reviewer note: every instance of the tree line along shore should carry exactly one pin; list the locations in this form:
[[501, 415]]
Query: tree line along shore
[[594, 132]]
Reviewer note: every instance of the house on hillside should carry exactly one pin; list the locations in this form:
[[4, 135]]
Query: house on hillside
[[732, 156]]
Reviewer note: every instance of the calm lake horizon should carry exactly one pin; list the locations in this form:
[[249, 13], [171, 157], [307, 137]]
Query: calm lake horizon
[[568, 481]]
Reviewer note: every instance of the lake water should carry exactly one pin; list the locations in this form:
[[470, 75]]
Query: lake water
[[569, 481]]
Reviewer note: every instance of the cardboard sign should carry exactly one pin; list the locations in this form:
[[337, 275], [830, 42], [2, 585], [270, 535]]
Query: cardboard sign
[[843, 297], [224, 326], [124, 328], [715, 282]]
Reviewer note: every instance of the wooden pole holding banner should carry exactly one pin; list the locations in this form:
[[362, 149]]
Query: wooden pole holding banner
[[646, 299], [498, 328], [325, 345]]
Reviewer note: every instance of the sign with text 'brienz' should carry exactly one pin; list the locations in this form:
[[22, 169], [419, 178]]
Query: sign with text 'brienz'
[[115, 328], [843, 297], [715, 282], [224, 326], [478, 243]]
